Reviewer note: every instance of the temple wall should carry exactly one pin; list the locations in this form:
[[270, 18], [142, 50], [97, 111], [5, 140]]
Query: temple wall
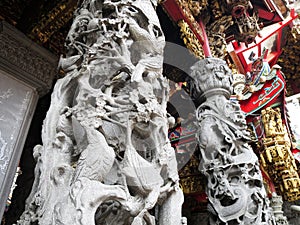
[[26, 73]]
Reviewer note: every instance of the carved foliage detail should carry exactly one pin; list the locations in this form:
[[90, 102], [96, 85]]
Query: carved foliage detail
[[106, 157]]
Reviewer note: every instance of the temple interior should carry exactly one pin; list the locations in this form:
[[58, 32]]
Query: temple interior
[[259, 41]]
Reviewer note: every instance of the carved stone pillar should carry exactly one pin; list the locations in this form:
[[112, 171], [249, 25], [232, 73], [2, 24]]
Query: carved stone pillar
[[235, 186], [276, 204], [106, 157], [26, 72]]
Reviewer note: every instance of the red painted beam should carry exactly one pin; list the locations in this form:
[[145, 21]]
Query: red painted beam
[[241, 49], [173, 10]]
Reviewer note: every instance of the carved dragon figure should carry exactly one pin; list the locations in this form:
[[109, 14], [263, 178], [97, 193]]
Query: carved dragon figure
[[235, 187]]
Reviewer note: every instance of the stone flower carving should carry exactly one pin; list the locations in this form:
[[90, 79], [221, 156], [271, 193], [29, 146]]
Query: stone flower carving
[[106, 157]]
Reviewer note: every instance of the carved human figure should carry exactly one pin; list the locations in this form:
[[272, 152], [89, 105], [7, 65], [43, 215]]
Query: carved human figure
[[272, 122], [280, 127], [235, 187], [106, 157]]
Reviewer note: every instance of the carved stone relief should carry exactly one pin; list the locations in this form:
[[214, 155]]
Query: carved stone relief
[[276, 204], [25, 59], [106, 157], [235, 186], [26, 71], [16, 102]]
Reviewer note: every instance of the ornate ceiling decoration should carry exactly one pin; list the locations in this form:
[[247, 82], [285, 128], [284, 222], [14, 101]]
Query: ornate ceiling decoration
[[47, 23], [290, 60], [52, 22]]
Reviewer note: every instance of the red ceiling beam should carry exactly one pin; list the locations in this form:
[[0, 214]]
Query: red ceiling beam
[[179, 10]]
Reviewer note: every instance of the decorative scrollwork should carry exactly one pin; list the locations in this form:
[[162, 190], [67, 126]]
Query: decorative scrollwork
[[235, 187], [190, 39], [57, 18]]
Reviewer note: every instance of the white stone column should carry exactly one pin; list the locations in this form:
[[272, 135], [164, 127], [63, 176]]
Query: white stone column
[[234, 183], [106, 157]]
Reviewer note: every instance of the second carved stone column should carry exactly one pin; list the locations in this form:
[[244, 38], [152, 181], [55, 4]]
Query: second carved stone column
[[235, 186]]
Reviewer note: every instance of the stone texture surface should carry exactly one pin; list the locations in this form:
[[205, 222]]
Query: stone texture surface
[[106, 157], [26, 73], [25, 59], [235, 186], [17, 100]]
